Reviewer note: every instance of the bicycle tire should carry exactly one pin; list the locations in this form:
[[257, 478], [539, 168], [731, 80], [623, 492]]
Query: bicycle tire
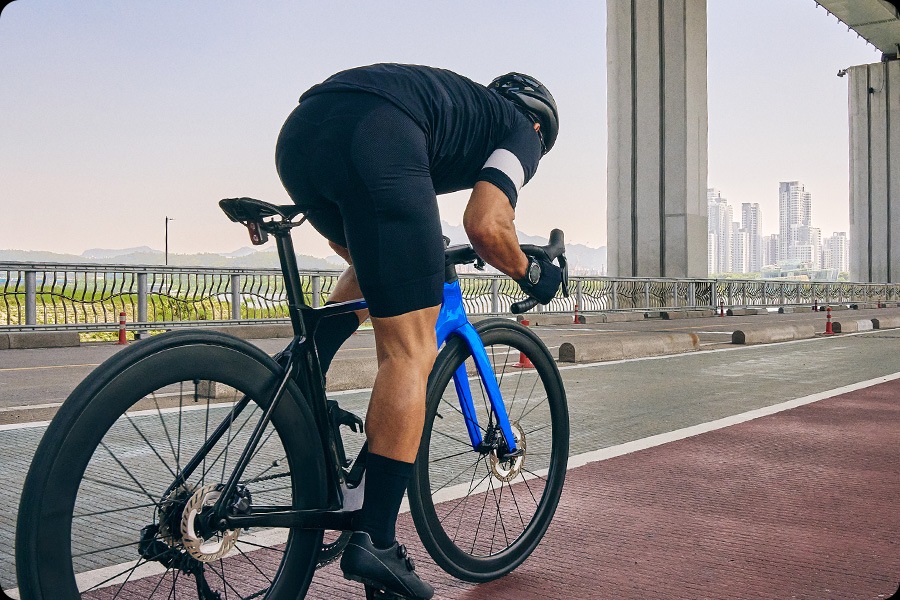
[[92, 425], [436, 494]]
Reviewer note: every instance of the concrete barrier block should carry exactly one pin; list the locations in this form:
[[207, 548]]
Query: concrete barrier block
[[852, 325], [623, 317], [740, 312], [549, 319], [701, 313], [617, 347], [785, 310], [673, 314], [879, 323], [4, 341], [835, 307], [43, 339], [767, 334]]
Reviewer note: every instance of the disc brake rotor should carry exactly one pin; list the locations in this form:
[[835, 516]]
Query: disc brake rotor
[[507, 470], [215, 547]]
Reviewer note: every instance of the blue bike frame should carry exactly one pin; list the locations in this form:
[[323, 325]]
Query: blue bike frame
[[452, 320]]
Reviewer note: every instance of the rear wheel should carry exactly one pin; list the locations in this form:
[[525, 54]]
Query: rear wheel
[[99, 516], [481, 516]]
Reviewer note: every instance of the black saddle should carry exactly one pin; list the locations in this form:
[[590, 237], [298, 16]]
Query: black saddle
[[251, 213]]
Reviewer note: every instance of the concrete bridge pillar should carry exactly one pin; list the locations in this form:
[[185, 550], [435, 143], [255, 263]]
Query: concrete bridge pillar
[[875, 172], [657, 148]]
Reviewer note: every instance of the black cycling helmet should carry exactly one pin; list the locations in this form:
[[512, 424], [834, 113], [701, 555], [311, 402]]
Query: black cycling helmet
[[531, 96]]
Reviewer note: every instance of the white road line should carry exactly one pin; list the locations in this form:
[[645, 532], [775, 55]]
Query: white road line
[[680, 434]]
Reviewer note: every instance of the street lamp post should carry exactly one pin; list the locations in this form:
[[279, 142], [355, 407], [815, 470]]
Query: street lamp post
[[167, 238]]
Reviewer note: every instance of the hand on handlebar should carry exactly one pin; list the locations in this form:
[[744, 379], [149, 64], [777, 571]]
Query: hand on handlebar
[[551, 276]]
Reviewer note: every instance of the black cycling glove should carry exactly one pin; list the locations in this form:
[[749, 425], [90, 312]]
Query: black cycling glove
[[542, 279]]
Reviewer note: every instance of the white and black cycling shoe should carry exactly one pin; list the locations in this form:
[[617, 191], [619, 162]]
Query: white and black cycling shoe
[[390, 570]]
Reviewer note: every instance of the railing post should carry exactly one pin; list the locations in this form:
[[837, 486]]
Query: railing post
[[316, 291], [692, 294], [142, 297], [30, 298], [235, 296], [647, 294], [780, 293], [495, 296], [615, 294]]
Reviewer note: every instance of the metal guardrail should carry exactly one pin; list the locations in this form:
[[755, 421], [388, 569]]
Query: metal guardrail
[[90, 297]]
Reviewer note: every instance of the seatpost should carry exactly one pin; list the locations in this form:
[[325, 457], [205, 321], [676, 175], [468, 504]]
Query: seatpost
[[291, 273]]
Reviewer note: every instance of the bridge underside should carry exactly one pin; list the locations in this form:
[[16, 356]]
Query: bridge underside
[[876, 21]]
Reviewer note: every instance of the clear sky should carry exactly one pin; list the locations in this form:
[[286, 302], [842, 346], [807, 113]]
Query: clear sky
[[116, 114]]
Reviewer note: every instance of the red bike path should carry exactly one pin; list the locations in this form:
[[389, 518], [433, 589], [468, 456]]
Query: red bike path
[[800, 504]]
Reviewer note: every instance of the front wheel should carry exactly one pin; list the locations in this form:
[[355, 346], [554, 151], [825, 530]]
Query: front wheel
[[480, 516], [101, 516]]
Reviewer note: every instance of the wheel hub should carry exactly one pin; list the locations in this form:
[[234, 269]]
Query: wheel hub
[[508, 469]]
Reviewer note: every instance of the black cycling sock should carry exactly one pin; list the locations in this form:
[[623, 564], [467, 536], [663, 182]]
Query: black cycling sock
[[386, 481], [331, 333]]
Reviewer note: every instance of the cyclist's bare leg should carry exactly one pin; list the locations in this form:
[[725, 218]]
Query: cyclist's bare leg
[[406, 347]]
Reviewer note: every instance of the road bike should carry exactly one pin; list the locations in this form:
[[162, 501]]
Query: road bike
[[193, 464]]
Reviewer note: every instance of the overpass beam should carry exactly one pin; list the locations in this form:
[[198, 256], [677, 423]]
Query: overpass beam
[[657, 145], [875, 172]]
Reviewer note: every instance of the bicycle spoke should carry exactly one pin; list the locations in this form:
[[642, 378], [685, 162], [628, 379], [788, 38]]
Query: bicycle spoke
[[168, 437], [111, 510], [242, 553], [455, 477], [129, 473], [152, 447], [124, 583]]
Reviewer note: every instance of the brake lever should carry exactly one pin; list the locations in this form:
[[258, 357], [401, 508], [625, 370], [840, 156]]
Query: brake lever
[[564, 266]]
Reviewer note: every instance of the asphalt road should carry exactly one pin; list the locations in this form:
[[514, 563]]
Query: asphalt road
[[610, 403]]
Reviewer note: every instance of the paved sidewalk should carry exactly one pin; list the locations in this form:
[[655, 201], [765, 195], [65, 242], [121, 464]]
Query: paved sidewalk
[[801, 504]]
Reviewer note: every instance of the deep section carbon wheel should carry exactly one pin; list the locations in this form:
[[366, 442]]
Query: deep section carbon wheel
[[478, 512], [101, 515]]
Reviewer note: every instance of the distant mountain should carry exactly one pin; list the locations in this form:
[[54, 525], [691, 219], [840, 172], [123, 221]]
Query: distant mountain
[[583, 260], [103, 253]]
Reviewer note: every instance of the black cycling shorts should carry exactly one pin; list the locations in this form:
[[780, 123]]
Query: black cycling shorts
[[359, 167]]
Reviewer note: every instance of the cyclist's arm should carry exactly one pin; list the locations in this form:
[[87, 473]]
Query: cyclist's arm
[[488, 221]]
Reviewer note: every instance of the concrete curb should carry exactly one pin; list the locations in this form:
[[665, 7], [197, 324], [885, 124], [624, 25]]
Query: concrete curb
[[615, 347], [768, 334], [742, 312], [886, 323], [852, 326], [687, 314], [789, 310], [20, 340], [547, 319]]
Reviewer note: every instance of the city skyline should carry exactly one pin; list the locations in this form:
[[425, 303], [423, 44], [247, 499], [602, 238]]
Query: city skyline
[[742, 246]]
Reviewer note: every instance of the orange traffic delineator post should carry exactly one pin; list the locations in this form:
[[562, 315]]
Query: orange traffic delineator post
[[816, 305], [122, 339], [829, 330], [576, 314], [721, 308], [524, 361]]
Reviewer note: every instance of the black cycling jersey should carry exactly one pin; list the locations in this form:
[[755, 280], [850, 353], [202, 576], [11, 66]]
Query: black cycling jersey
[[472, 133]]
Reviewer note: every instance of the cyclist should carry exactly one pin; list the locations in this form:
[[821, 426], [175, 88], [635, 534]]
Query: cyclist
[[365, 154]]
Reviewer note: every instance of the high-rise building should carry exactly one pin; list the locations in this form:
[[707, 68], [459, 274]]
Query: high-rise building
[[836, 252], [770, 250], [798, 241], [719, 225], [740, 249], [751, 223]]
